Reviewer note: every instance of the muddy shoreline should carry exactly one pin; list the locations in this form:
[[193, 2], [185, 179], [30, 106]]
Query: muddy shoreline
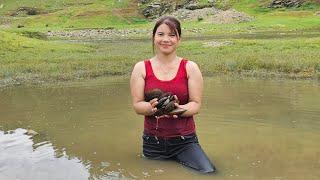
[[24, 81]]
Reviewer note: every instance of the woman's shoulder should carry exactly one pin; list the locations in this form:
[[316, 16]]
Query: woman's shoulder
[[138, 64], [190, 64], [139, 67], [191, 67], [141, 64]]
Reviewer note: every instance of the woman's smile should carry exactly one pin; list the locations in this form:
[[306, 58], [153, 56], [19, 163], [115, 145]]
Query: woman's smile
[[165, 45]]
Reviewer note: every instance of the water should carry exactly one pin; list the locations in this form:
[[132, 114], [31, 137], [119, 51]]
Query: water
[[250, 129]]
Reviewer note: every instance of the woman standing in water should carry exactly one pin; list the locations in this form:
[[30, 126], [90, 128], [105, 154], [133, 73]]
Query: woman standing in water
[[170, 136]]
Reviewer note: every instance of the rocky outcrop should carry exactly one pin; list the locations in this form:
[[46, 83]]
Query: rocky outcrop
[[217, 43], [229, 16], [212, 15], [197, 14], [27, 11], [98, 33], [152, 9], [195, 5], [285, 3]]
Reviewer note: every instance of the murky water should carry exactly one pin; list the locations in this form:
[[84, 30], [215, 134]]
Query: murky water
[[250, 128]]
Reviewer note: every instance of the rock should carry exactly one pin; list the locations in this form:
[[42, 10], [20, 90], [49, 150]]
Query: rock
[[217, 44], [187, 14], [144, 1], [27, 11], [155, 10], [31, 132], [285, 3], [212, 2], [98, 33], [200, 18], [32, 34], [193, 6], [197, 6], [230, 16]]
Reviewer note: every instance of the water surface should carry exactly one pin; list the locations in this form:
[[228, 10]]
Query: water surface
[[250, 129]]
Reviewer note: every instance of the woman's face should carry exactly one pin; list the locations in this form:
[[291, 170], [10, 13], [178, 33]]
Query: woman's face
[[165, 40]]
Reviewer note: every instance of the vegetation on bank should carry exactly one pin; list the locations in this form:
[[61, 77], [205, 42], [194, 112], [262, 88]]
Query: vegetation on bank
[[51, 15], [24, 59], [38, 59], [72, 14], [295, 57]]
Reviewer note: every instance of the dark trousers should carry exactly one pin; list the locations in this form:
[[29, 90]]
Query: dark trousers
[[184, 149]]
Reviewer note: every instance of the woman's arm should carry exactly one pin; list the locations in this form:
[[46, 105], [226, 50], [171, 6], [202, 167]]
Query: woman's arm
[[137, 91], [195, 87]]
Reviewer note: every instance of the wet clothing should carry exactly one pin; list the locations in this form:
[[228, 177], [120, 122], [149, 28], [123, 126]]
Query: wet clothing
[[173, 138], [184, 149], [169, 127]]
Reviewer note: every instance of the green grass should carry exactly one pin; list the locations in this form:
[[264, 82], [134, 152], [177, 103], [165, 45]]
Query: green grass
[[298, 21], [56, 5], [25, 59], [61, 14], [298, 56], [32, 60], [26, 54], [256, 7], [264, 19]]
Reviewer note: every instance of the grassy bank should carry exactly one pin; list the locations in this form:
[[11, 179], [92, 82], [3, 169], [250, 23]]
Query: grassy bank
[[67, 15], [297, 57], [37, 59], [72, 14], [24, 59]]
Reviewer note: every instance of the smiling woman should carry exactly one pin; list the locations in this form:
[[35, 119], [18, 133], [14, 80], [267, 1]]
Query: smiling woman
[[166, 34], [169, 136]]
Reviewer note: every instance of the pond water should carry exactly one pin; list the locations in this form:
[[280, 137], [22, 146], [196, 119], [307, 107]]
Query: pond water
[[250, 128]]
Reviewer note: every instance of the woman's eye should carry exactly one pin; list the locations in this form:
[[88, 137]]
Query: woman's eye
[[172, 35]]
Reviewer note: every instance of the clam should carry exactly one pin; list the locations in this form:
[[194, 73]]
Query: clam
[[166, 102]]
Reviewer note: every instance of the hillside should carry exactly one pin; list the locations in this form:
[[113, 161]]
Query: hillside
[[245, 36], [50, 15]]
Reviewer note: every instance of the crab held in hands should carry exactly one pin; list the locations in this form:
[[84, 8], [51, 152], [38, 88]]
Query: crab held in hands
[[166, 102]]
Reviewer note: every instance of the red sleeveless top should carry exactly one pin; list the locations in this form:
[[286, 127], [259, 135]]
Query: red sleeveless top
[[169, 127]]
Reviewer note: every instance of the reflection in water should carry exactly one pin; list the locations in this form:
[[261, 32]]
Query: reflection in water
[[250, 128], [20, 158]]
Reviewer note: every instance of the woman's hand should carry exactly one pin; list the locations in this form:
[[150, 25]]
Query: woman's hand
[[176, 104], [153, 103]]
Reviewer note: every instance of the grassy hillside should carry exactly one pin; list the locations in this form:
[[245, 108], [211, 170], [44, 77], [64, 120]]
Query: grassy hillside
[[72, 14], [63, 14], [301, 19], [25, 59]]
